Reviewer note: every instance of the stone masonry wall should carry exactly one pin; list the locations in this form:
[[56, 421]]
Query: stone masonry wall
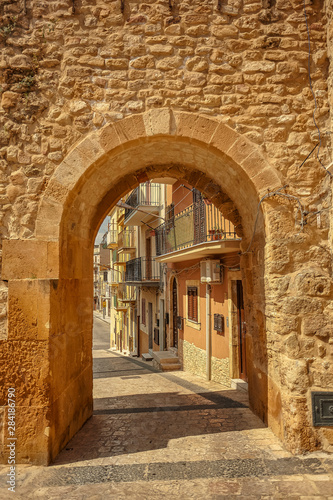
[[69, 67], [194, 361]]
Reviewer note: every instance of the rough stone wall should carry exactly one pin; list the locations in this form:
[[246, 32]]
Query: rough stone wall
[[194, 361], [65, 74]]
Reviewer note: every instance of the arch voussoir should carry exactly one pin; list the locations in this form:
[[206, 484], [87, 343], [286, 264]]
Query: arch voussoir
[[237, 153]]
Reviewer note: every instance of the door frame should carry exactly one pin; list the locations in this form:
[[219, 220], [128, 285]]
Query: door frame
[[150, 327], [234, 344], [174, 331]]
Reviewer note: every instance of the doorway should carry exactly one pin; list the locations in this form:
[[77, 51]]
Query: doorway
[[241, 327], [174, 314], [150, 325]]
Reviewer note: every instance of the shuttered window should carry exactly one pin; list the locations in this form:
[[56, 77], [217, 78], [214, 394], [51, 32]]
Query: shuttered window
[[192, 303], [143, 311]]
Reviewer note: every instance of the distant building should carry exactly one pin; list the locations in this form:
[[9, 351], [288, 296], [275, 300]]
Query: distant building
[[204, 294], [101, 287]]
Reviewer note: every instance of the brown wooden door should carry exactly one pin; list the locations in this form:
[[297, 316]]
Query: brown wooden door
[[150, 325], [174, 315], [199, 221], [148, 259], [241, 331]]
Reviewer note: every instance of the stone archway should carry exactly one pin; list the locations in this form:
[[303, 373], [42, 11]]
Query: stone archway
[[55, 269]]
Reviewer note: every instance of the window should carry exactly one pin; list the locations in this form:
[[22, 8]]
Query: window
[[192, 303], [143, 311], [105, 275]]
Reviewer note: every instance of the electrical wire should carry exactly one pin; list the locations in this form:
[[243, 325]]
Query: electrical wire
[[313, 93], [301, 165], [176, 203], [173, 271]]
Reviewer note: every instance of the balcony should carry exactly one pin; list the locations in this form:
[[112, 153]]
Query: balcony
[[115, 277], [127, 293], [112, 235], [143, 270], [198, 231], [145, 198], [126, 240], [122, 258]]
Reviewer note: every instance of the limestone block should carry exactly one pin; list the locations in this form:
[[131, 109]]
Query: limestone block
[[70, 417], [312, 283], [194, 79], [222, 32], [168, 63], [317, 325], [300, 305], [21, 61], [143, 62], [200, 30], [32, 445], [241, 150], [294, 374], [224, 138], [9, 99], [28, 310], [92, 61], [204, 129], [197, 64], [108, 138], [11, 153], [130, 129], [266, 180], [161, 50], [77, 107], [258, 66], [116, 64], [27, 362], [279, 323], [30, 259]]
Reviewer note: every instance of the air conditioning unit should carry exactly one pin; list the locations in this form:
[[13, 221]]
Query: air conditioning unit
[[211, 271]]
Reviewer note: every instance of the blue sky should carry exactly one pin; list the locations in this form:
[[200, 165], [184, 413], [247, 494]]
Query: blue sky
[[103, 228]]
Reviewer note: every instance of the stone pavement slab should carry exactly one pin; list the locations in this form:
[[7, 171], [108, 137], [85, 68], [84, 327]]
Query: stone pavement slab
[[154, 435]]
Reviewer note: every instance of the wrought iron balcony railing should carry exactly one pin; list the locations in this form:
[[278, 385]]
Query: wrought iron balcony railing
[[127, 293], [199, 223], [112, 235], [126, 238], [147, 194], [115, 277], [143, 269]]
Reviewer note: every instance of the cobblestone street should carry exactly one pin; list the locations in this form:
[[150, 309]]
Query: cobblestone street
[[157, 435]]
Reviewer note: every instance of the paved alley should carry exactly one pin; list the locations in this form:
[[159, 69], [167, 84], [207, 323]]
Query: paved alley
[[155, 435]]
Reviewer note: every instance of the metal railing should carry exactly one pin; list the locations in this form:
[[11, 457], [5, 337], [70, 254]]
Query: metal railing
[[147, 194], [115, 277], [122, 258], [199, 223], [112, 234], [143, 269], [126, 238], [127, 293]]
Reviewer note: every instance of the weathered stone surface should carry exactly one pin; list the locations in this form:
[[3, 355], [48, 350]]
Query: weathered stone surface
[[219, 98]]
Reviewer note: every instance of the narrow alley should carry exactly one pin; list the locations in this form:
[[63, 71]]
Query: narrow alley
[[155, 435]]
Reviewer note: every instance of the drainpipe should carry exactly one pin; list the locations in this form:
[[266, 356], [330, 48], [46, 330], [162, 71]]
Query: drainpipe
[[208, 334]]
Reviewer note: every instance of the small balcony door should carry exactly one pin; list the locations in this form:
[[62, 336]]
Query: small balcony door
[[241, 331], [148, 259], [174, 315], [150, 325]]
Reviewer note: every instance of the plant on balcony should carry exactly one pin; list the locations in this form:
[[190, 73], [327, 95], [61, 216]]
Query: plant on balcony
[[216, 233]]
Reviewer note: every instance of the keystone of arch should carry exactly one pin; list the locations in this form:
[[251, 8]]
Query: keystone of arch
[[113, 138]]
